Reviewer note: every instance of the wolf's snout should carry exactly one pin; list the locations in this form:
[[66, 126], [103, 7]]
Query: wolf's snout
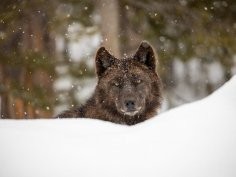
[[130, 105]]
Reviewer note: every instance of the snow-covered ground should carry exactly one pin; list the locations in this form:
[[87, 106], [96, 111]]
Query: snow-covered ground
[[197, 139]]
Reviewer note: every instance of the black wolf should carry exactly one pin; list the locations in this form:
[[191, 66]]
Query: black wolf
[[128, 90]]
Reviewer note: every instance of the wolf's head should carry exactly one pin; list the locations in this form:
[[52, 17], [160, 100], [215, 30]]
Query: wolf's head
[[128, 88]]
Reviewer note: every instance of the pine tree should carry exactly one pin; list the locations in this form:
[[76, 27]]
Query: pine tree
[[27, 66]]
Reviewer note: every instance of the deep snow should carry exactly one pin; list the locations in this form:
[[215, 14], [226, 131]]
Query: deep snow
[[197, 139]]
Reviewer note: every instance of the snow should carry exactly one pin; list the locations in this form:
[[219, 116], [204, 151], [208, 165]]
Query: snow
[[82, 41], [84, 47], [86, 89], [197, 139], [63, 83], [215, 73]]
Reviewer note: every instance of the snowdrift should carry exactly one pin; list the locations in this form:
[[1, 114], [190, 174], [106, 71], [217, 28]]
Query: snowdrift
[[197, 139]]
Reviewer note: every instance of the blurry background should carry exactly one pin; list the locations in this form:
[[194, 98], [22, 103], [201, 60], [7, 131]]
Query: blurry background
[[47, 48]]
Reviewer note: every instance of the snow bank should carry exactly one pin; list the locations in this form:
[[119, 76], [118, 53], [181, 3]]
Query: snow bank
[[197, 139]]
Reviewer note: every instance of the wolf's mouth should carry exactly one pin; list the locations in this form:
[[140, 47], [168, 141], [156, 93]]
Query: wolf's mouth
[[131, 113]]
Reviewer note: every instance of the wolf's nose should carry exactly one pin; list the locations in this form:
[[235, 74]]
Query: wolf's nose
[[130, 105]]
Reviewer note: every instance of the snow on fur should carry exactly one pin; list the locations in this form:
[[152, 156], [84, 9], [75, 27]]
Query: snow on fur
[[197, 139]]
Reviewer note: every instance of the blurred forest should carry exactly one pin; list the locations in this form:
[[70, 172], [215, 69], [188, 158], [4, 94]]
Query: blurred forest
[[47, 48]]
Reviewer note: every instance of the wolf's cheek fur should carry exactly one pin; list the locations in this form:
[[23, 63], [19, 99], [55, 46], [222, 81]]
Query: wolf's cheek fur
[[108, 94], [143, 94]]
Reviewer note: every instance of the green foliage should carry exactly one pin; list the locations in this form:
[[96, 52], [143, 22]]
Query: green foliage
[[186, 29], [81, 70], [31, 62], [18, 55]]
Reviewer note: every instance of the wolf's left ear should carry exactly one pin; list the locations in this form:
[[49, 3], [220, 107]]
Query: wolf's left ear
[[103, 60], [145, 55]]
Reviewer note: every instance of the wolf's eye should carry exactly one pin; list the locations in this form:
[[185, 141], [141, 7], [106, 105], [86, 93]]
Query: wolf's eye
[[138, 81], [116, 84]]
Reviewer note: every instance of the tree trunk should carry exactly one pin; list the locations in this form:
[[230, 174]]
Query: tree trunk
[[109, 11]]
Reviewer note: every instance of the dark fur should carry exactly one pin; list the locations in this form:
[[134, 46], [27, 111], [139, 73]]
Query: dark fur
[[125, 87]]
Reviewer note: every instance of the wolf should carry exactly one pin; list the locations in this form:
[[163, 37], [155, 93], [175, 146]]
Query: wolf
[[128, 90]]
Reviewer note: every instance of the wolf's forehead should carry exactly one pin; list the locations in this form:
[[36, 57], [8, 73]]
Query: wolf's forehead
[[126, 72], [128, 65], [124, 65]]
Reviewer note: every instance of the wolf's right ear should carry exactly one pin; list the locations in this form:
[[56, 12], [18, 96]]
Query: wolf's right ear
[[103, 60], [146, 55]]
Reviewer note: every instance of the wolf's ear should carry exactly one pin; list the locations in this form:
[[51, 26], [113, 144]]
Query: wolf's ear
[[145, 55], [103, 60]]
